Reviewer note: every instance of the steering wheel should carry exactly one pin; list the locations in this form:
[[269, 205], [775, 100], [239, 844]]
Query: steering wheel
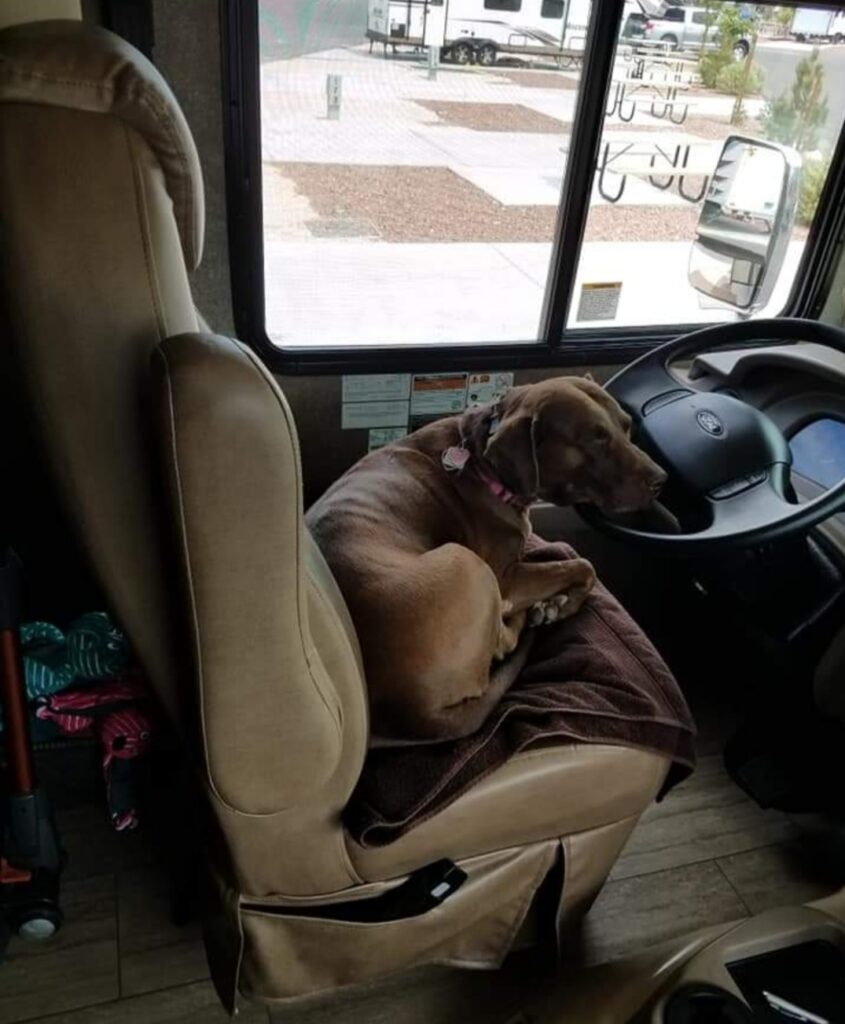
[[728, 463]]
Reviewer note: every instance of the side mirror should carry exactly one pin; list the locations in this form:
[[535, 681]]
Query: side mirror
[[745, 223]]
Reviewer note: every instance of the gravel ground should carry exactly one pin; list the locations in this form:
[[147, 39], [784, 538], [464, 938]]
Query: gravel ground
[[433, 204], [493, 117], [540, 79], [637, 223], [712, 128], [417, 204]]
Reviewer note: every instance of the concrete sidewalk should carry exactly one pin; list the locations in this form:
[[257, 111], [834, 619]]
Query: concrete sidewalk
[[417, 294]]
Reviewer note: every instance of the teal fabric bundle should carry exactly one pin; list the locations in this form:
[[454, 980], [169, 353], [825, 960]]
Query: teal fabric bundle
[[92, 648]]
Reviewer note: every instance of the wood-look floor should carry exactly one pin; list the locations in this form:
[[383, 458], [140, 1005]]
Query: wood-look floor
[[706, 854]]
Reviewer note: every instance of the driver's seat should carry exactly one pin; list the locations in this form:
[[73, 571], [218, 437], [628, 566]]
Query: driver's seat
[[102, 212]]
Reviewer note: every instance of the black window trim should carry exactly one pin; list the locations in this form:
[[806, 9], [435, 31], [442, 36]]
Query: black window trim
[[558, 345]]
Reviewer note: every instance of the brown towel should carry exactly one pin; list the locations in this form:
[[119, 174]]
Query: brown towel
[[594, 678]]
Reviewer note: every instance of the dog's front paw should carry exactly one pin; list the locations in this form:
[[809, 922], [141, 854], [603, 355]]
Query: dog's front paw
[[545, 612]]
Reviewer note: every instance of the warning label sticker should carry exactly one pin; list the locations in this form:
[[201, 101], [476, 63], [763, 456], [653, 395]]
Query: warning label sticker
[[376, 387], [599, 301], [385, 435], [362, 415], [438, 394], [483, 388], [434, 395]]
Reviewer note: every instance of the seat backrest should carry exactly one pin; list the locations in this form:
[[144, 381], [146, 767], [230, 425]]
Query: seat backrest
[[101, 205], [102, 208], [282, 703]]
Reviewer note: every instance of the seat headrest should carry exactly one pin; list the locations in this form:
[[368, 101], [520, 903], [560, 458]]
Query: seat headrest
[[82, 67]]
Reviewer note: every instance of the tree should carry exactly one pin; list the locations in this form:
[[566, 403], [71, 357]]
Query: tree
[[740, 21], [783, 18], [796, 117], [712, 9]]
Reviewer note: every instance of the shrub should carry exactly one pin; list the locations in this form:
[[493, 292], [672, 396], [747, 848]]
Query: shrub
[[813, 176], [796, 117], [711, 63], [732, 78]]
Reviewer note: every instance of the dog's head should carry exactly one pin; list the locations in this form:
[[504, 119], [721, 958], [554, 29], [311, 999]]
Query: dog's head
[[567, 441]]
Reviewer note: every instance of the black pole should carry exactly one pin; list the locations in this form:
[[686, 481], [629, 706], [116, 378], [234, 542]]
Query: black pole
[[596, 72]]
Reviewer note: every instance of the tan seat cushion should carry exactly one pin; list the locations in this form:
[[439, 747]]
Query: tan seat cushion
[[540, 794]]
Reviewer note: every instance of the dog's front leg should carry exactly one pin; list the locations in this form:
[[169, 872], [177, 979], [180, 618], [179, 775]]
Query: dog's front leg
[[510, 629], [549, 591]]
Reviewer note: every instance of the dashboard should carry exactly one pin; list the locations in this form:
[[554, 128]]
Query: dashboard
[[801, 387], [818, 451]]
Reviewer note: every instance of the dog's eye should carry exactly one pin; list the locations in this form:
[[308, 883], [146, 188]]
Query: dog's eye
[[601, 435]]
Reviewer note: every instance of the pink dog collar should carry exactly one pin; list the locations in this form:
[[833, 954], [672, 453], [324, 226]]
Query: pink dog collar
[[454, 460]]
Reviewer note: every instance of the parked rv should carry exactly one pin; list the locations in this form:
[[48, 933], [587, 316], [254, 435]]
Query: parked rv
[[479, 31]]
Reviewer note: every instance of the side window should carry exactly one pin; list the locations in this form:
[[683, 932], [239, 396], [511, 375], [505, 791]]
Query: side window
[[699, 18], [677, 233], [409, 200]]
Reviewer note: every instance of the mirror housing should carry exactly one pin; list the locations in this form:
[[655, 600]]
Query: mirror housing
[[746, 223]]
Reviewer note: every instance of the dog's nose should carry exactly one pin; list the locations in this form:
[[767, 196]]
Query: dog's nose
[[658, 479]]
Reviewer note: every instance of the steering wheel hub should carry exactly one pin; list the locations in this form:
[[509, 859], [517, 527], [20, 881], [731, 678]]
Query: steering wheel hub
[[711, 440]]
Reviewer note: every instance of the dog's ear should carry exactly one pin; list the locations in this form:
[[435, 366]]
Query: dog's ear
[[512, 446], [589, 376]]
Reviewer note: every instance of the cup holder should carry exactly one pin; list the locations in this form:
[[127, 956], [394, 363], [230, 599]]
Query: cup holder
[[706, 1004]]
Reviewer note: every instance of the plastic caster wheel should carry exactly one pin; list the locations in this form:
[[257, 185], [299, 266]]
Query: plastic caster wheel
[[38, 923]]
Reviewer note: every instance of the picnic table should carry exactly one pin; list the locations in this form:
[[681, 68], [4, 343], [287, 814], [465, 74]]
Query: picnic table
[[662, 96], [676, 69], [660, 159], [670, 64]]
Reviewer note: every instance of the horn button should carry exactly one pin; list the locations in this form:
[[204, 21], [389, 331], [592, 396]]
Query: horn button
[[709, 442]]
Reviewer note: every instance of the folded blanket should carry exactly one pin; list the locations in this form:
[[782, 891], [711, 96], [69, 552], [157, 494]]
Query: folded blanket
[[594, 678]]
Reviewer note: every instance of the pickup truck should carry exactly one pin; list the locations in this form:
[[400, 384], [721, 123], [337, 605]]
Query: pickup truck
[[682, 28]]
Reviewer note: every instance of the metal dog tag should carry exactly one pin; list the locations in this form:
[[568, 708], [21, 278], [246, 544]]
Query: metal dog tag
[[454, 459]]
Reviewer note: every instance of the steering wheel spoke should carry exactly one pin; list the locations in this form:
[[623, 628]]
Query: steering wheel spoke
[[643, 384], [747, 507]]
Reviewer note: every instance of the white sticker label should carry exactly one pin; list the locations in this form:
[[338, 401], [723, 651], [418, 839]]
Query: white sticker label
[[362, 415], [376, 387], [483, 388], [599, 301], [438, 394], [385, 435]]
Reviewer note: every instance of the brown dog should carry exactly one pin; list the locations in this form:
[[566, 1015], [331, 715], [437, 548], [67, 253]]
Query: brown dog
[[426, 536]]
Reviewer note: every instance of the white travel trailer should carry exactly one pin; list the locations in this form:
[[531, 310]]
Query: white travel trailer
[[480, 30]]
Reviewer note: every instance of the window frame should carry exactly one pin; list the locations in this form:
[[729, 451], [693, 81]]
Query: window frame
[[557, 345]]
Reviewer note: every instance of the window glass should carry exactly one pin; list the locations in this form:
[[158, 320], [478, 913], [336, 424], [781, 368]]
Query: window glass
[[405, 204], [660, 169], [699, 18], [502, 5], [673, 14], [552, 9]]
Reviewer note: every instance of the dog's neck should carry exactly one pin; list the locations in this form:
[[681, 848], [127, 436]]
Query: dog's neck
[[474, 430]]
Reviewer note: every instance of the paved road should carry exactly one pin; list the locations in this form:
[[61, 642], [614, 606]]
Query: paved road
[[293, 27], [779, 61]]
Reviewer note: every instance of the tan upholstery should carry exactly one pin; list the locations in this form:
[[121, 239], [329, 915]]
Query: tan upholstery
[[639, 987], [102, 211], [16, 12]]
